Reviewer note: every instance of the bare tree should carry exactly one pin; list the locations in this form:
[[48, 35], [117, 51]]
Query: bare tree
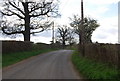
[[89, 26], [71, 40], [65, 35], [27, 16]]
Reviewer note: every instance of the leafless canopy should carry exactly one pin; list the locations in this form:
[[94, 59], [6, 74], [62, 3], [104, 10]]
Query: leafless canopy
[[65, 35], [22, 12], [89, 25]]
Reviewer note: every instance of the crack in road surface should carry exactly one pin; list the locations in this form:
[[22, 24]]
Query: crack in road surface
[[52, 65]]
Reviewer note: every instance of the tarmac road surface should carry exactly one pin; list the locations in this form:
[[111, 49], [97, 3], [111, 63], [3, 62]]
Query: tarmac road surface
[[52, 65]]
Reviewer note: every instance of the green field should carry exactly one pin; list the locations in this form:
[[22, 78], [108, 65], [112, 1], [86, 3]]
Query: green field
[[12, 58], [93, 70]]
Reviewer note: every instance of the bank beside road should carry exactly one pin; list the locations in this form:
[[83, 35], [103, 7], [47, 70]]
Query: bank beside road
[[12, 58], [91, 69]]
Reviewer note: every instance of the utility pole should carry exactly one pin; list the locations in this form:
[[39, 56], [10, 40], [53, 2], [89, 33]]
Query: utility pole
[[53, 37], [81, 26], [82, 13], [82, 19], [81, 31]]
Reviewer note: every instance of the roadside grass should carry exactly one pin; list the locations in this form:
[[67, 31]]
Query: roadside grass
[[0, 60], [93, 70], [12, 58]]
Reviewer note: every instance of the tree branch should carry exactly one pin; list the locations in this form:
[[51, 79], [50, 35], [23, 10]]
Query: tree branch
[[6, 13], [36, 8], [40, 14], [37, 31], [10, 33], [17, 8], [13, 13]]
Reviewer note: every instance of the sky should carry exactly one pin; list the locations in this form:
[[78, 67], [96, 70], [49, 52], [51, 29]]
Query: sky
[[119, 22], [104, 11]]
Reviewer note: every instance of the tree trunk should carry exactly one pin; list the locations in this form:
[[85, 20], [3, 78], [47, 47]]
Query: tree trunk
[[63, 44], [27, 23]]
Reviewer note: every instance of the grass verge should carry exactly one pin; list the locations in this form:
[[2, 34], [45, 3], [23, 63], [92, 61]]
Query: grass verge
[[94, 70], [12, 58]]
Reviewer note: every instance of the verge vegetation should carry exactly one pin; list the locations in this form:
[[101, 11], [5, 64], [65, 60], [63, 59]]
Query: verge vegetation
[[94, 70], [12, 58]]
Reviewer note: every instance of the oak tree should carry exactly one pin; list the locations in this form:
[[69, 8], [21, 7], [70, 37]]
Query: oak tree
[[65, 35], [89, 25], [24, 17]]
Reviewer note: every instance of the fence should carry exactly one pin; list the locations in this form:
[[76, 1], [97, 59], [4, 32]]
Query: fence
[[108, 53]]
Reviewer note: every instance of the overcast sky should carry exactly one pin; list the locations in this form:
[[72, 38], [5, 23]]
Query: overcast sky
[[104, 11]]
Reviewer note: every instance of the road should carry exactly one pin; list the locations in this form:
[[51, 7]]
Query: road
[[52, 65]]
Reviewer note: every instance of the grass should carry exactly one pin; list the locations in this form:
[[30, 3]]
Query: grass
[[0, 60], [12, 58], [93, 70]]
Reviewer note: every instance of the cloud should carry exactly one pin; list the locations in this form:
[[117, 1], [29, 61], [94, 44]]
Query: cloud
[[97, 9], [119, 22], [35, 39], [94, 8], [41, 39], [102, 2], [96, 13], [108, 31]]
